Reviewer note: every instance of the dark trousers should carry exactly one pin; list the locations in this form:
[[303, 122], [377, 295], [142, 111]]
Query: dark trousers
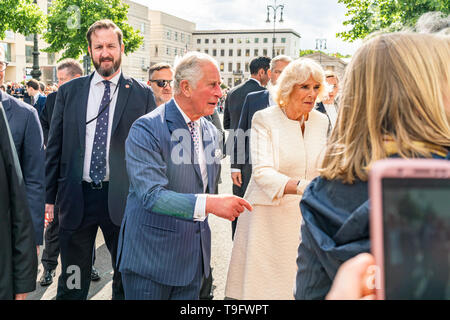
[[51, 244], [76, 247]]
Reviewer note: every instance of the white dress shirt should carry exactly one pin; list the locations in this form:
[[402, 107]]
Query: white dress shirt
[[200, 203], [96, 91], [331, 112]]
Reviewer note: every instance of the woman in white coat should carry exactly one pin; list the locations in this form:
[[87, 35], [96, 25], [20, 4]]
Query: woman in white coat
[[286, 142]]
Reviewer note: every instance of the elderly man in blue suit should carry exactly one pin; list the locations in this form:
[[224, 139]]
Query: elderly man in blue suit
[[173, 159], [29, 141]]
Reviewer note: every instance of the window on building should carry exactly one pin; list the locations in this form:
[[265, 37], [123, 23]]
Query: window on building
[[168, 35], [176, 36], [29, 37], [222, 66], [282, 51], [51, 58], [265, 40], [143, 28], [230, 52], [247, 67], [247, 52], [274, 40], [7, 48], [206, 51], [239, 52], [247, 40], [230, 40], [256, 40], [182, 37], [238, 67], [239, 40], [256, 53], [222, 52], [222, 40], [230, 82], [214, 52], [28, 54], [206, 41], [283, 40], [265, 52], [199, 41], [156, 50], [230, 67], [214, 41], [168, 51]]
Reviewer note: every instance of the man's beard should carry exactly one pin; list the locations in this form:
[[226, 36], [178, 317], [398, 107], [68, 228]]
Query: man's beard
[[110, 71]]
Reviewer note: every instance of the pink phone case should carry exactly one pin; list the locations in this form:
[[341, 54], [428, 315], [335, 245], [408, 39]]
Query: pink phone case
[[394, 168]]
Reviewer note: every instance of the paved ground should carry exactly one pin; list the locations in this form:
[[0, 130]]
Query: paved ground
[[220, 257]]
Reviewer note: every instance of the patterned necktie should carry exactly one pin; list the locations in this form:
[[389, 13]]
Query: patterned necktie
[[194, 135], [98, 159]]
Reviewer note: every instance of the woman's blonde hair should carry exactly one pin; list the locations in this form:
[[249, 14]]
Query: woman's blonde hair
[[298, 72], [393, 87]]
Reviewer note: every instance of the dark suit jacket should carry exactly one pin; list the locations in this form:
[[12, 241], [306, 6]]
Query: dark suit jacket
[[233, 107], [18, 259], [66, 147], [27, 135], [254, 102], [46, 115], [40, 103]]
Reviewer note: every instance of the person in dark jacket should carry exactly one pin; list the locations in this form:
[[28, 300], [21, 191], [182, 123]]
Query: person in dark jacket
[[394, 103], [18, 259]]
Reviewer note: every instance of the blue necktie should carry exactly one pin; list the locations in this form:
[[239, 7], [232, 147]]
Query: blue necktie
[[98, 157]]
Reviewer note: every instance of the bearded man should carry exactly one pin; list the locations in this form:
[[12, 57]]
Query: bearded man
[[85, 163]]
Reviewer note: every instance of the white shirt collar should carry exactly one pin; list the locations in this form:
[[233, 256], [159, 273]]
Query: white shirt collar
[[36, 97], [97, 78], [185, 117]]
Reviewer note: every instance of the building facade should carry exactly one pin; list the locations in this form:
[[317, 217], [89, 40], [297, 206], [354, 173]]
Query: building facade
[[171, 37], [327, 62], [234, 49], [136, 64]]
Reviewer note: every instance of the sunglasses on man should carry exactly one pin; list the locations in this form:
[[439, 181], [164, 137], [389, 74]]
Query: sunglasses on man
[[163, 83]]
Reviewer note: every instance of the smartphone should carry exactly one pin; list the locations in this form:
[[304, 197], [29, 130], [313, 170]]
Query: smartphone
[[410, 228]]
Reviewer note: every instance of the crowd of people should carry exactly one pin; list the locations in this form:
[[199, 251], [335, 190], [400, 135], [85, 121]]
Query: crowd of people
[[143, 162]]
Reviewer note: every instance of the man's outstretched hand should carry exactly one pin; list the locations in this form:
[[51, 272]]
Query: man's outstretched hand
[[226, 206]]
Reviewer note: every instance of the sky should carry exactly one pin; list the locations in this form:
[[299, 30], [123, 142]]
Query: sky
[[312, 19]]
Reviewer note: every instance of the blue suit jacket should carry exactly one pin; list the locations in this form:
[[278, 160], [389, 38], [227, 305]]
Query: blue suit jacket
[[27, 135], [159, 239], [254, 102], [40, 103]]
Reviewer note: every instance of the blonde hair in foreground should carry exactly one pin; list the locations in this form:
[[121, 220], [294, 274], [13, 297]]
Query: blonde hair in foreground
[[393, 87]]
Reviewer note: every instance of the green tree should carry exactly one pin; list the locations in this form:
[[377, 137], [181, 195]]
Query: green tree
[[310, 51], [367, 16], [21, 16], [69, 21]]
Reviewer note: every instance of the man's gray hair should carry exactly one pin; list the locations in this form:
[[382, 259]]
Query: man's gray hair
[[433, 22], [280, 57], [73, 67], [189, 68]]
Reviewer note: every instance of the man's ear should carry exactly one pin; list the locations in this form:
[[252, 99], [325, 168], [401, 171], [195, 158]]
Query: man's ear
[[185, 87]]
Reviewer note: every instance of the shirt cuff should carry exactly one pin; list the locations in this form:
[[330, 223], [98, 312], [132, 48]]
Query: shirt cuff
[[235, 170], [200, 208]]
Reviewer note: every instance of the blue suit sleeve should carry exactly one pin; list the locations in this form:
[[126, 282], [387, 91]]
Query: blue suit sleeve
[[147, 173], [33, 166]]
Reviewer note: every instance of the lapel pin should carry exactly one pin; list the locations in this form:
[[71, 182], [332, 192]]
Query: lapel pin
[[127, 86]]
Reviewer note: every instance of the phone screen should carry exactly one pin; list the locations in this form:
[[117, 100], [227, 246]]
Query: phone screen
[[416, 231]]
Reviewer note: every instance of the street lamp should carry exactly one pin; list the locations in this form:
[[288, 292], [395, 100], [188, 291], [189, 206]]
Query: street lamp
[[319, 47], [275, 8], [36, 72]]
